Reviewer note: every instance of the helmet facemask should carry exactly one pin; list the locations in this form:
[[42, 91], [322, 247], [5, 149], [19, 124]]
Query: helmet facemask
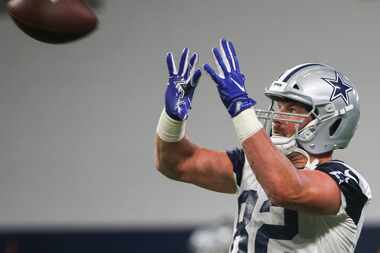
[[273, 114], [287, 144]]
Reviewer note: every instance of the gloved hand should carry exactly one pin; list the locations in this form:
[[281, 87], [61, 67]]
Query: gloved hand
[[181, 85], [229, 81]]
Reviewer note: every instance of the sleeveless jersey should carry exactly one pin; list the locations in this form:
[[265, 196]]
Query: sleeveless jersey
[[261, 227]]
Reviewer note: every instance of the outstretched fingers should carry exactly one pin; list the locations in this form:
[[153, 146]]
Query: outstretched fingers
[[234, 56], [194, 83], [212, 73], [191, 67], [170, 63], [226, 54], [196, 77], [219, 62], [183, 62]]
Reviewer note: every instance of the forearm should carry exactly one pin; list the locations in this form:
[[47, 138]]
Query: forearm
[[172, 147], [179, 159], [169, 156], [275, 173], [273, 170]]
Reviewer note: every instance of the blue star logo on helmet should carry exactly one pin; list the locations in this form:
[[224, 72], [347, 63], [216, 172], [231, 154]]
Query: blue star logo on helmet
[[340, 88]]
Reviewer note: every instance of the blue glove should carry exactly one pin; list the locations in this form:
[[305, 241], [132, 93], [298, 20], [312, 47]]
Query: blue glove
[[229, 81], [181, 85]]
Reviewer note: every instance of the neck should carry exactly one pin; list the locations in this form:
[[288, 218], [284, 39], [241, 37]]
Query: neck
[[322, 157], [299, 161]]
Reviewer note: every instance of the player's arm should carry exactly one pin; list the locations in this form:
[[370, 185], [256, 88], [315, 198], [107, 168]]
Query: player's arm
[[187, 162], [283, 183], [311, 191], [176, 157]]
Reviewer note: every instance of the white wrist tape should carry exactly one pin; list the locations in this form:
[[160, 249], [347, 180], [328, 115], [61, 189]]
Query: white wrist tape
[[246, 124], [170, 130]]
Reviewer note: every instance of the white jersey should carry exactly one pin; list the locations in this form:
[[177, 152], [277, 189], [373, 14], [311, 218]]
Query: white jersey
[[261, 227]]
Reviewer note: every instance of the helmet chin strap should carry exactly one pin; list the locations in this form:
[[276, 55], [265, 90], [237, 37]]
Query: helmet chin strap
[[288, 145]]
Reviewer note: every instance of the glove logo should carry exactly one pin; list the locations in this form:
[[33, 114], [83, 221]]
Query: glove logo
[[241, 87], [179, 86]]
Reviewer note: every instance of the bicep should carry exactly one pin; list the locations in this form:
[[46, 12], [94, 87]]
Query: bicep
[[319, 194], [209, 169]]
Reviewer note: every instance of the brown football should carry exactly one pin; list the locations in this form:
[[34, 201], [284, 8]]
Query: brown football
[[53, 21]]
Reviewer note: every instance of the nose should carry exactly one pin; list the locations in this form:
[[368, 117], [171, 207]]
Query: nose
[[276, 122], [279, 119], [276, 125]]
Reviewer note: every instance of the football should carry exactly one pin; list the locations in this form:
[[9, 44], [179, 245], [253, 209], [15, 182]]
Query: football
[[53, 21]]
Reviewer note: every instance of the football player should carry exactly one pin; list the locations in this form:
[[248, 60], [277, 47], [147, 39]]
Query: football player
[[292, 195]]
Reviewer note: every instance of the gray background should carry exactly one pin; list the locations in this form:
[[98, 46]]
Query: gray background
[[78, 121]]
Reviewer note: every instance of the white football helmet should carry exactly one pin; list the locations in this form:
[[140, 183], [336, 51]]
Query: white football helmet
[[333, 99]]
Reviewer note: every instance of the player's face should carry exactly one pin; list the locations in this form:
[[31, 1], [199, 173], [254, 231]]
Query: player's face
[[281, 125]]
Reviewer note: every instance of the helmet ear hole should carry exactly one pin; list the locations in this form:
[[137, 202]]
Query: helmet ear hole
[[296, 87], [335, 126]]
